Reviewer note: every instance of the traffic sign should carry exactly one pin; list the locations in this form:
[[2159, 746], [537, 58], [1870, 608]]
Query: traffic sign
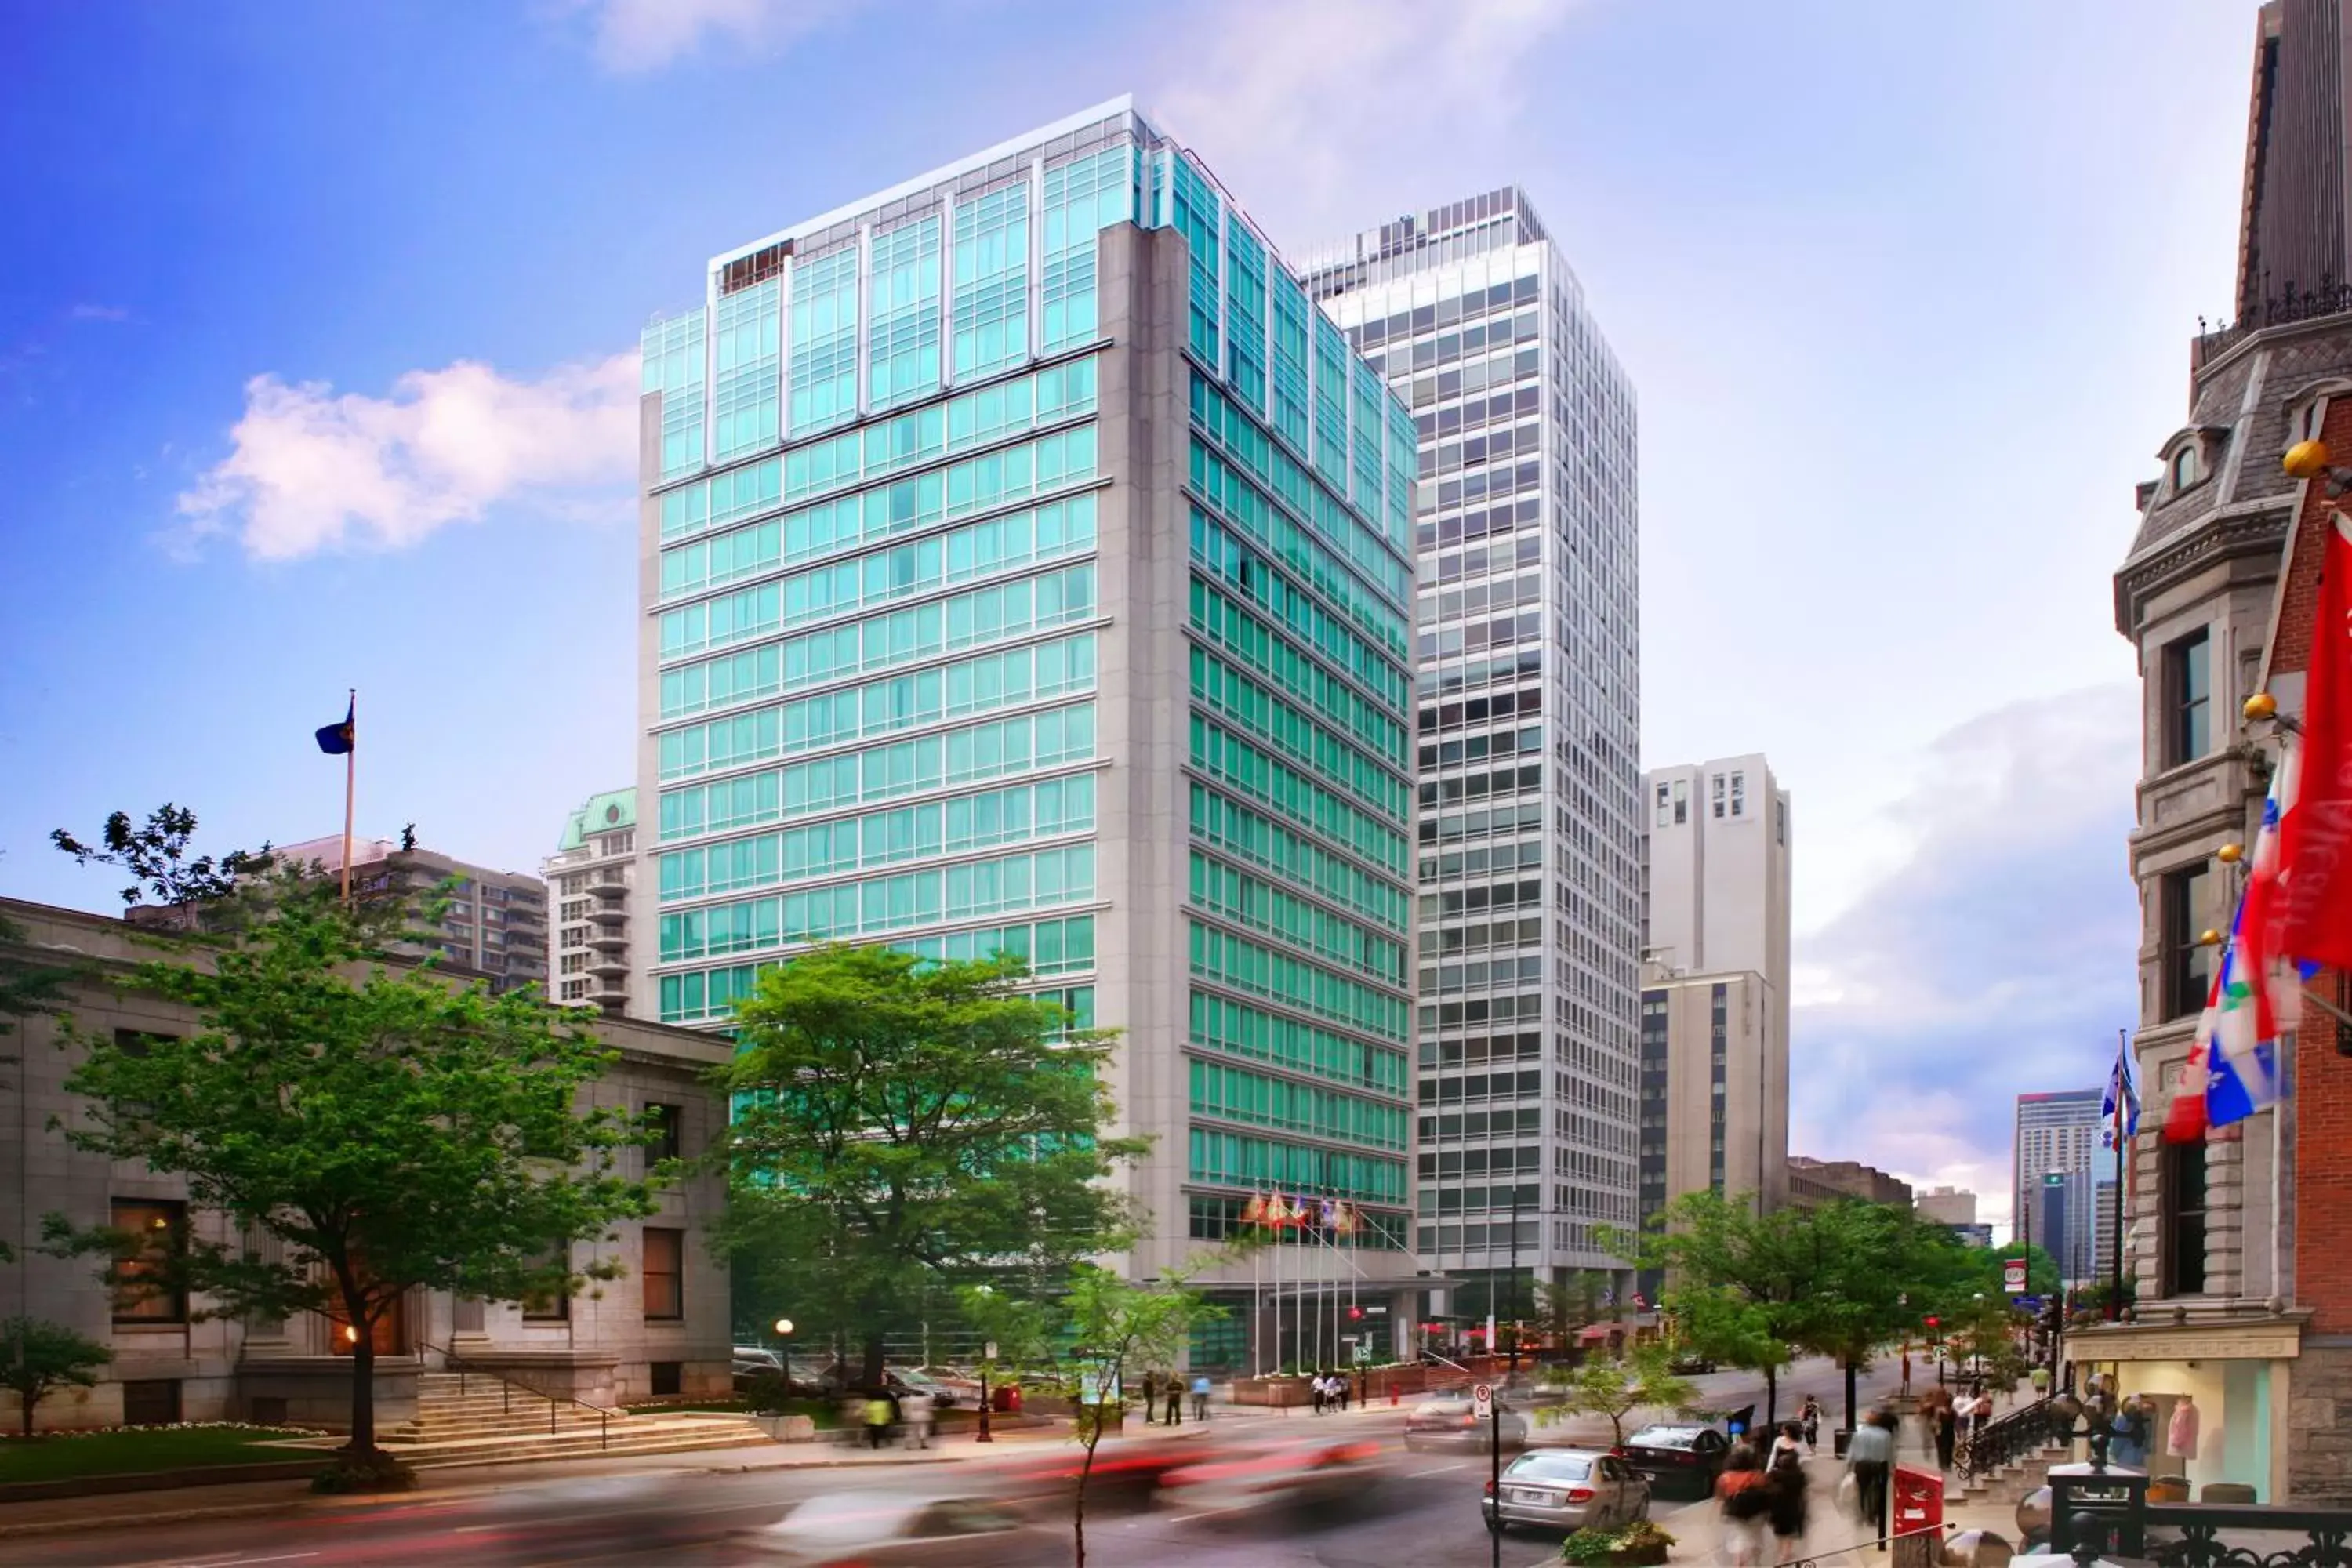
[[2012, 1275], [1482, 1400], [2029, 1303]]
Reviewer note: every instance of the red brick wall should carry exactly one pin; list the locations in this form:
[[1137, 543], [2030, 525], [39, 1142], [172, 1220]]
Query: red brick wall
[[2323, 1077]]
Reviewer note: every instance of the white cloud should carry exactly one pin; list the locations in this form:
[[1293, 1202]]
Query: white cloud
[[313, 471], [91, 312], [1998, 957], [1311, 108], [646, 35]]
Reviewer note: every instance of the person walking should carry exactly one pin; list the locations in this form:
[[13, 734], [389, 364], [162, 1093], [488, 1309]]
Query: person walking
[[1947, 1428], [915, 1413], [1745, 1499], [1200, 1396], [1150, 1397], [1810, 1418], [1173, 1393], [1905, 1389], [1784, 1485], [1785, 1441], [1870, 1454], [1315, 1389], [877, 1418]]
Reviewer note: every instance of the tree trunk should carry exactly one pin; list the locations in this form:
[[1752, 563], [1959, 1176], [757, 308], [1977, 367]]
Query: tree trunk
[[874, 1361], [1086, 1470], [363, 1443], [28, 1401], [1772, 1398], [1849, 1393]]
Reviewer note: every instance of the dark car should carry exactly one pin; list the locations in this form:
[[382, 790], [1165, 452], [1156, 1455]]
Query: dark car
[[1690, 1364], [1677, 1458]]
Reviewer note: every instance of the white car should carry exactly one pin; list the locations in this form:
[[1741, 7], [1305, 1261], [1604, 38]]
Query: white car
[[1567, 1489], [1451, 1421]]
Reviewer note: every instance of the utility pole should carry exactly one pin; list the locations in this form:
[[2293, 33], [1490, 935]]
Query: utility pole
[[1515, 1287]]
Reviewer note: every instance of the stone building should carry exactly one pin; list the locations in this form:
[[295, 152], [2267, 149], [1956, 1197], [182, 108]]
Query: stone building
[[661, 1328], [1812, 1183], [2234, 1242]]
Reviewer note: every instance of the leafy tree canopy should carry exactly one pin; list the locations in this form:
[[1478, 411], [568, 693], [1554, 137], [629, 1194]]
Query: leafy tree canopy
[[902, 1126], [389, 1130], [38, 1358], [1615, 1388]]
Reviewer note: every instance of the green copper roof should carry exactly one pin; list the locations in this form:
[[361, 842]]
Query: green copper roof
[[615, 808]]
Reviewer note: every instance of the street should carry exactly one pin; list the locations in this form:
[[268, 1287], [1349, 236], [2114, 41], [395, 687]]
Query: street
[[1396, 1509]]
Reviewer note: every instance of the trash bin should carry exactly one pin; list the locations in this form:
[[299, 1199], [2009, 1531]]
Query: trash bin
[[1838, 1440], [1005, 1398]]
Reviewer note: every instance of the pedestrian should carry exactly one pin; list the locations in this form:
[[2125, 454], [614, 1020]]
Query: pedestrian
[[1907, 1371], [1947, 1430], [915, 1411], [1809, 1417], [1342, 1386], [1174, 1395], [1746, 1502], [2041, 1376], [1869, 1454], [1315, 1389], [1151, 1396], [1785, 1441], [1200, 1396], [877, 1418], [1785, 1489]]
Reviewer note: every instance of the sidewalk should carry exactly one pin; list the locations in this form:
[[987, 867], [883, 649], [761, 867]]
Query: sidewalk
[[251, 1499], [1833, 1538]]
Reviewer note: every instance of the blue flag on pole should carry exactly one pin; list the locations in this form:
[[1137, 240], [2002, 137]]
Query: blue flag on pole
[[341, 736], [2120, 1110]]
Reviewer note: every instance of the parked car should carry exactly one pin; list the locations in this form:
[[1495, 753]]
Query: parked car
[[1690, 1364], [1678, 1456], [1451, 1421], [1567, 1489], [894, 1528], [913, 1381]]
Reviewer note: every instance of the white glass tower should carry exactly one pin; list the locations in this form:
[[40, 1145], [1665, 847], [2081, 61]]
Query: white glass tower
[[1526, 519]]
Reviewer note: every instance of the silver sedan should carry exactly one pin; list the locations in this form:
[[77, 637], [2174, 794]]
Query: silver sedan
[[1567, 1489]]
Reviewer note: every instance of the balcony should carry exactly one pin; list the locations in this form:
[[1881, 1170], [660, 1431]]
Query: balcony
[[608, 965], [611, 892], [2285, 309], [615, 939], [608, 914]]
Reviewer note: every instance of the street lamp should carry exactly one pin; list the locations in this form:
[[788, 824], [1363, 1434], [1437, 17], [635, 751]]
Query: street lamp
[[987, 1354], [784, 1336]]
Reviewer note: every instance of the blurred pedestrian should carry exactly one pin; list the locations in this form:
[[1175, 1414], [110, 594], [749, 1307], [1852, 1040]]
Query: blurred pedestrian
[[915, 1420], [1786, 1441], [1905, 1389], [1745, 1498], [877, 1418], [1809, 1417], [1785, 1489], [1314, 1390], [1150, 1397], [1174, 1393], [1200, 1396], [1947, 1429], [1869, 1454]]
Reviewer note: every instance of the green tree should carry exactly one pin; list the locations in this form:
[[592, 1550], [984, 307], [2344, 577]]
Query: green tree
[[1571, 1304], [162, 867], [1725, 1325], [1616, 1387], [38, 1358], [1115, 1327], [901, 1128], [1985, 1267], [389, 1130]]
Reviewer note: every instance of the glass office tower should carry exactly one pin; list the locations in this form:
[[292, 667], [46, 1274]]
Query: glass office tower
[[1527, 698], [1027, 566]]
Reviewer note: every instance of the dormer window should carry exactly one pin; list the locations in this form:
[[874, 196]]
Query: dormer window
[[2184, 468]]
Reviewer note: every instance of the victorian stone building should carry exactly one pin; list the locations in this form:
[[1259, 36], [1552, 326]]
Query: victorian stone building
[[2243, 1300]]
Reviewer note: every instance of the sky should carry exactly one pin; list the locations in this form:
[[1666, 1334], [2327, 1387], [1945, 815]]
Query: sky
[[318, 370]]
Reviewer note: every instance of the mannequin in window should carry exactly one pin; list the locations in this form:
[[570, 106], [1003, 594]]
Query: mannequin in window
[[2180, 1434]]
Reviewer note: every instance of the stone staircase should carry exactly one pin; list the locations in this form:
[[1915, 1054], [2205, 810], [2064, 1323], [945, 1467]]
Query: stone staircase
[[475, 1419], [2008, 1486]]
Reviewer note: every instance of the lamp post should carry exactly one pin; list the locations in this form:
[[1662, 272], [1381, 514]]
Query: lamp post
[[784, 1341], [987, 1354]]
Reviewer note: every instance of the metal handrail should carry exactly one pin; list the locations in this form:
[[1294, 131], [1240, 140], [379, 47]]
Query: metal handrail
[[507, 1386], [2007, 1438]]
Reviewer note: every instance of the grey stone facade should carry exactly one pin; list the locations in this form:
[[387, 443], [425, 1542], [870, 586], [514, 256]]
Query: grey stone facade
[[602, 1350]]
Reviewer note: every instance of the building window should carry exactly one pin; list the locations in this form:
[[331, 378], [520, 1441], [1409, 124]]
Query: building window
[[668, 1378], [667, 1122], [151, 1402], [146, 1290], [1740, 795], [665, 1274], [1682, 803], [2184, 1219], [551, 1306], [1661, 805], [1717, 794], [2188, 962], [2188, 697], [2184, 468]]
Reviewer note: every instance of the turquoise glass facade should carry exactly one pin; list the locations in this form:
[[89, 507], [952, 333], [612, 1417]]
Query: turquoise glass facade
[[880, 633]]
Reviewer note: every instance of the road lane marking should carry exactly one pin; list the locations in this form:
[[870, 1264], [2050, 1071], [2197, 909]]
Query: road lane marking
[[1436, 1470]]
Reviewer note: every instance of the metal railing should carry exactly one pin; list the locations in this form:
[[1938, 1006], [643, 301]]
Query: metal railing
[[2006, 1439], [507, 1388], [2326, 1535], [2285, 308]]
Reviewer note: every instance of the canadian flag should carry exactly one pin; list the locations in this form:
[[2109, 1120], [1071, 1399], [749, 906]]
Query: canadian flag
[[2309, 895]]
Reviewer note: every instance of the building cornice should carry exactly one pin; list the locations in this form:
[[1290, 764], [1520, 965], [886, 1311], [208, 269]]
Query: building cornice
[[2246, 528]]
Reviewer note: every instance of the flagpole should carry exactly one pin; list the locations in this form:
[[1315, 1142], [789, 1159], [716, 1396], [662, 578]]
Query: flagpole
[[350, 790], [2116, 1250]]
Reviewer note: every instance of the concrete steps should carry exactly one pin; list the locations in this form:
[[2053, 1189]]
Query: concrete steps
[[2008, 1486], [475, 1419]]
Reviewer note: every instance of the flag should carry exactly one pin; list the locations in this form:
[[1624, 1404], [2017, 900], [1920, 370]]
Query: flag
[[341, 736], [1278, 1212], [2242, 1060], [2314, 920], [2120, 1109], [2184, 1119], [1254, 1211], [1330, 1217]]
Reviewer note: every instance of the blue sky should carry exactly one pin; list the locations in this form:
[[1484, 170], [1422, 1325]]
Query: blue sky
[[316, 370]]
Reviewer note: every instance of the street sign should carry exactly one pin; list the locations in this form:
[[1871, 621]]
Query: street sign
[[2029, 1303], [2012, 1275], [1363, 1353], [988, 1350], [1482, 1400]]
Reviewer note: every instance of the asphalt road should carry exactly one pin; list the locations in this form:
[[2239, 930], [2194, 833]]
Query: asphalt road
[[1392, 1508]]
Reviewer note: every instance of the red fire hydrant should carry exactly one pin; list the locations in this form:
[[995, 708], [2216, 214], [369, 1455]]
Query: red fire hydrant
[[1393, 1394]]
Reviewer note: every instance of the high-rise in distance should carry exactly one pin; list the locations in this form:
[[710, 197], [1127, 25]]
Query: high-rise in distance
[[1528, 730], [1027, 566]]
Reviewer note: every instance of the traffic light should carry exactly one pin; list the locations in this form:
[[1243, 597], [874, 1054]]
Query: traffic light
[[1355, 1314], [1932, 1323]]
